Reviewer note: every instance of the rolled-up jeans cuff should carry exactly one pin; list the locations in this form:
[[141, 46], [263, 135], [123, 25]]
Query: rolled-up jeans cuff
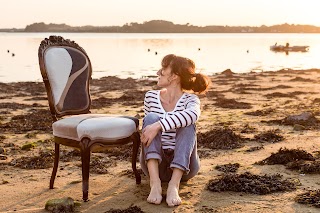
[[153, 155], [179, 166]]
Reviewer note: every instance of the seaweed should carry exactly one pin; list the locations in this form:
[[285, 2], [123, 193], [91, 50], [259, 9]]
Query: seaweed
[[100, 165], [220, 138], [43, 161], [129, 173], [260, 112], [131, 209], [250, 183], [120, 153], [284, 156], [231, 104], [306, 119], [38, 119], [254, 148], [248, 129], [230, 167], [305, 167], [270, 136], [67, 156], [311, 197]]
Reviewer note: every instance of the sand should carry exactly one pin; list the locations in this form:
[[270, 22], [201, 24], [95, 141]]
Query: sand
[[277, 94]]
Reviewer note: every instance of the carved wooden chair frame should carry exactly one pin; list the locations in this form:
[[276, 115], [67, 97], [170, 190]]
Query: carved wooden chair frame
[[86, 145]]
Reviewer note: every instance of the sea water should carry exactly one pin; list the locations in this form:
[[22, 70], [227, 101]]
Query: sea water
[[138, 55]]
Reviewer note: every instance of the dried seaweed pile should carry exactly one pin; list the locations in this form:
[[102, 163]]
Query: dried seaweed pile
[[42, 161], [254, 148], [134, 98], [220, 138], [112, 83], [14, 106], [306, 119], [36, 120], [312, 197], [231, 104], [130, 174], [100, 165], [305, 167], [250, 183], [260, 112], [270, 136], [131, 209], [284, 156], [302, 79], [279, 95], [248, 129], [230, 167], [67, 156], [120, 153]]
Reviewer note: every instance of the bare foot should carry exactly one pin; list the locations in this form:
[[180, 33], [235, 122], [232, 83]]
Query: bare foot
[[155, 196], [173, 198]]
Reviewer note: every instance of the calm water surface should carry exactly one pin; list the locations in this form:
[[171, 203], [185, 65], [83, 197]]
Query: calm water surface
[[127, 55]]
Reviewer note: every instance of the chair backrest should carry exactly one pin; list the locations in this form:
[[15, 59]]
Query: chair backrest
[[66, 71]]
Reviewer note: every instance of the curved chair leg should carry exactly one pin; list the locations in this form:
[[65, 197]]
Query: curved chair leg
[[55, 164], [85, 160], [135, 149]]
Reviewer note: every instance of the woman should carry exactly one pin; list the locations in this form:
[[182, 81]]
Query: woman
[[168, 136]]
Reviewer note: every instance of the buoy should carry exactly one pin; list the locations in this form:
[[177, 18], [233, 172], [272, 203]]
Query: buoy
[[8, 51], [156, 53], [148, 50], [198, 49], [13, 54]]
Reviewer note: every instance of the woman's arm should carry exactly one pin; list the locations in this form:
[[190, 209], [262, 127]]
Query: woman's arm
[[150, 131], [185, 117]]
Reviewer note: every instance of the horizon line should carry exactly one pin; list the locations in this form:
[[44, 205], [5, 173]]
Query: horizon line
[[162, 20]]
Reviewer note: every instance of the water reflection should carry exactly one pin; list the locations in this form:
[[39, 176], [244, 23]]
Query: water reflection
[[127, 55]]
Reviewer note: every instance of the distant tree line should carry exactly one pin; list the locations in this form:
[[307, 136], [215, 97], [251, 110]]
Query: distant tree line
[[161, 26]]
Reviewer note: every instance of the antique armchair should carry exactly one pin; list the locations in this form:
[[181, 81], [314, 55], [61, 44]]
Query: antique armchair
[[66, 72]]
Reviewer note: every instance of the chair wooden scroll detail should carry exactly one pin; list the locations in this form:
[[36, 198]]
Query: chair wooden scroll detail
[[66, 72]]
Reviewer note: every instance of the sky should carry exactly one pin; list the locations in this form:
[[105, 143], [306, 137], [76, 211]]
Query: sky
[[20, 13]]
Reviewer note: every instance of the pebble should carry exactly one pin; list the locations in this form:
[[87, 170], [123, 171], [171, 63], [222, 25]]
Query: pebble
[[3, 157]]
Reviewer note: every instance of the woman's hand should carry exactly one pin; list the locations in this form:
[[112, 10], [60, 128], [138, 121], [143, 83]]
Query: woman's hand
[[149, 133]]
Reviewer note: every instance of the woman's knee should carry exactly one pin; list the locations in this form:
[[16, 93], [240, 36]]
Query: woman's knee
[[150, 119]]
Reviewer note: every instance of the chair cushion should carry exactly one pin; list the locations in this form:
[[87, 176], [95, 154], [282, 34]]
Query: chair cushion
[[95, 127]]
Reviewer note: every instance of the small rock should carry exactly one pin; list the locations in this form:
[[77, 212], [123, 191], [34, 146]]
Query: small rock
[[3, 157], [28, 146], [2, 150], [60, 205], [298, 127], [227, 72]]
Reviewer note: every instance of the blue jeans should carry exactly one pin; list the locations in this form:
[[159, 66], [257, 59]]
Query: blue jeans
[[185, 153]]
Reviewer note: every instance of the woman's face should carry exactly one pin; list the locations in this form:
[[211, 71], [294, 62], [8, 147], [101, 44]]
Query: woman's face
[[164, 77]]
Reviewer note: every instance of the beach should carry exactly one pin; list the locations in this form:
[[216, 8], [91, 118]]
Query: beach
[[245, 118]]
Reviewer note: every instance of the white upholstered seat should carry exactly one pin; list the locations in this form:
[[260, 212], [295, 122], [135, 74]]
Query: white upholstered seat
[[94, 127]]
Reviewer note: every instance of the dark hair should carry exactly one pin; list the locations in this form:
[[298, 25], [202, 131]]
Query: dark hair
[[185, 69]]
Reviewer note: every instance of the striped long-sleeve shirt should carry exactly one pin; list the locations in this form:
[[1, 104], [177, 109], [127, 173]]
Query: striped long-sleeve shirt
[[185, 113]]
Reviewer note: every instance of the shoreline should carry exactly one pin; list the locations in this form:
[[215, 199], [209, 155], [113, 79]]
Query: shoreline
[[153, 77], [249, 104]]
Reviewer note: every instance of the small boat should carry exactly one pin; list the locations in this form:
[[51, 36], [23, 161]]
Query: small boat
[[287, 48]]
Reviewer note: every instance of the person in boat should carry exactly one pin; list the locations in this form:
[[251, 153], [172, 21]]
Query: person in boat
[[169, 141]]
